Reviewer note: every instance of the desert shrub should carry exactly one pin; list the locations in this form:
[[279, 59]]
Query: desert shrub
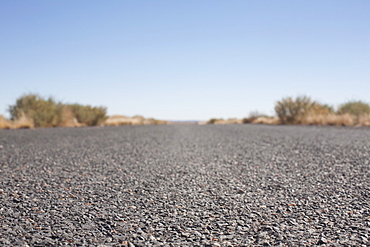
[[33, 110], [355, 108], [296, 110], [212, 121], [321, 109], [42, 112], [247, 120], [292, 111], [89, 115]]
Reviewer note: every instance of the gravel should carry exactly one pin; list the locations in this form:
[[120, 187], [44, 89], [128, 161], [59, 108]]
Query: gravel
[[233, 185]]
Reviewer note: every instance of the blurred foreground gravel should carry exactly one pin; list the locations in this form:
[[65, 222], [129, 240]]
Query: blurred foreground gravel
[[235, 185]]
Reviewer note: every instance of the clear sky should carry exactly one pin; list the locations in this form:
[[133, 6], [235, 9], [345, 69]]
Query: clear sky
[[185, 60]]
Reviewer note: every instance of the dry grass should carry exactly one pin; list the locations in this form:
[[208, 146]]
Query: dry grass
[[5, 123], [69, 119], [152, 121], [364, 120], [117, 120], [313, 119], [265, 120], [23, 122], [340, 120], [330, 119], [203, 123], [221, 121]]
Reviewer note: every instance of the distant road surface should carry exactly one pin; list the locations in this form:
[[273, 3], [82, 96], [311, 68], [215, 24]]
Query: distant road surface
[[234, 185]]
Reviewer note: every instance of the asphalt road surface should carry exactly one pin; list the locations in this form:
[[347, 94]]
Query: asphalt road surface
[[235, 185]]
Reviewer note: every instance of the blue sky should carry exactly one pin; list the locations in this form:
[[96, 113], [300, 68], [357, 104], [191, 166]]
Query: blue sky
[[185, 60]]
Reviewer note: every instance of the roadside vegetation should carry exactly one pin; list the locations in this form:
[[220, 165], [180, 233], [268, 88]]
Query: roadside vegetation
[[88, 115], [117, 120], [5, 123], [303, 110], [33, 111]]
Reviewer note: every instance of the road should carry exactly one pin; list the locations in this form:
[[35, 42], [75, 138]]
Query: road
[[234, 185]]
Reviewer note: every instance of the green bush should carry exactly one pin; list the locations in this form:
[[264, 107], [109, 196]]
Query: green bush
[[89, 115], [43, 113], [355, 108]]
